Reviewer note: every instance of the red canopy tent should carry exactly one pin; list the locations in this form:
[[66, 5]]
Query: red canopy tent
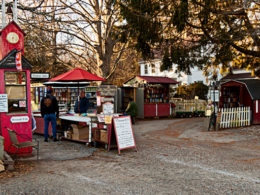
[[77, 75]]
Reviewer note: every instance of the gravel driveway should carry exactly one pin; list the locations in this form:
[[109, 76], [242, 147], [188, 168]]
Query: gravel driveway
[[175, 156]]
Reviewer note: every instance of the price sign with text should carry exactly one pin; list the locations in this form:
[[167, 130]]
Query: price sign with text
[[108, 108], [124, 133], [3, 103]]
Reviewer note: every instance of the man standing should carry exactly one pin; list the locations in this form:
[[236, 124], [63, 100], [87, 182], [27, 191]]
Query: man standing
[[49, 111], [131, 109], [83, 104]]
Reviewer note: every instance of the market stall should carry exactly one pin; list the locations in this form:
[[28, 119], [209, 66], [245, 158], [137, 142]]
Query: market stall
[[99, 124], [106, 109], [38, 90], [66, 89], [151, 95], [242, 93], [15, 101]]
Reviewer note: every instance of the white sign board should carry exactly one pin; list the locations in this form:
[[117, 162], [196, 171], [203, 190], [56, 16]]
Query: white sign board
[[124, 133], [3, 103], [40, 75], [213, 93], [108, 99], [108, 108], [19, 119]]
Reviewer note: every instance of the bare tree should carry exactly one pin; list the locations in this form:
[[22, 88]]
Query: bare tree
[[84, 33]]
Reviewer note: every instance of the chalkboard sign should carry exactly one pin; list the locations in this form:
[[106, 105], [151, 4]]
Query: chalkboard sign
[[124, 133]]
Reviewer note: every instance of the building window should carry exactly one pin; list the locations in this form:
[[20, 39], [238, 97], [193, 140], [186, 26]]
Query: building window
[[153, 68], [145, 69], [15, 88]]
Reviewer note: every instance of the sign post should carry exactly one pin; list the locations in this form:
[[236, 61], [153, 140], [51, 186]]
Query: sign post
[[124, 133]]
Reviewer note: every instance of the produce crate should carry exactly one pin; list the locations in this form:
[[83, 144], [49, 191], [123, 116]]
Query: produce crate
[[103, 136], [80, 132]]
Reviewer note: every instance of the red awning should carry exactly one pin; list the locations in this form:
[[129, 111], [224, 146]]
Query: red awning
[[158, 80], [77, 74]]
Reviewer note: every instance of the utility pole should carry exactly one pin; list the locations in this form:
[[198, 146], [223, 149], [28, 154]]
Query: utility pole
[[214, 87], [3, 14], [15, 11]]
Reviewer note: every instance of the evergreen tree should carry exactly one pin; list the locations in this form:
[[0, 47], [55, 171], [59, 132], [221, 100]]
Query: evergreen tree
[[166, 61], [209, 34]]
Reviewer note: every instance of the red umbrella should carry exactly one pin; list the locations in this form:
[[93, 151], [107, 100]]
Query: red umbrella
[[77, 75]]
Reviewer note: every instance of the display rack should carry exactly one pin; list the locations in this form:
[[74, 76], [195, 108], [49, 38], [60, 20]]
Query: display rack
[[38, 94], [156, 95], [67, 95], [230, 97], [91, 94]]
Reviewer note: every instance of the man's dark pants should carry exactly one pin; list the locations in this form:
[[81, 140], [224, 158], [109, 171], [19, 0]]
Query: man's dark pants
[[47, 119]]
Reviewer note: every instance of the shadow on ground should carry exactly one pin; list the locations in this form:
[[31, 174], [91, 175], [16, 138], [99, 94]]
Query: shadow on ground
[[60, 150]]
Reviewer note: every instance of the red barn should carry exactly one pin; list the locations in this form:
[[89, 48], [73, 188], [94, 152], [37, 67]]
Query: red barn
[[243, 92]]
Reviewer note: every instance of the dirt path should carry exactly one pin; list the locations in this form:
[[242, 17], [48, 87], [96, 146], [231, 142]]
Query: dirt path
[[174, 157]]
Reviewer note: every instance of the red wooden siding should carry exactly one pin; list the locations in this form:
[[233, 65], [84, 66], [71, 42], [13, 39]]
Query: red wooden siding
[[256, 113], [163, 109], [149, 110], [5, 46]]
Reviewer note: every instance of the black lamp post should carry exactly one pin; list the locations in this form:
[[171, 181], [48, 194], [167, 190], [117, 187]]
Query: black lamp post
[[214, 104], [213, 115]]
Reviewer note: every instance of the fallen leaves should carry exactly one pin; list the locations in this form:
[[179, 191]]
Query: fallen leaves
[[20, 168]]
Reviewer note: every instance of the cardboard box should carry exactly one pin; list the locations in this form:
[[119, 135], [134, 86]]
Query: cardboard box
[[103, 136], [80, 132], [68, 134], [97, 135]]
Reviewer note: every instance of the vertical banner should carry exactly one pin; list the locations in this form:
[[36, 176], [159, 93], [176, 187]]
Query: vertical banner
[[18, 60]]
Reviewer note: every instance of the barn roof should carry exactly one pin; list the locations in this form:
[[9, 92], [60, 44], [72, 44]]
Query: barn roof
[[238, 76], [158, 80]]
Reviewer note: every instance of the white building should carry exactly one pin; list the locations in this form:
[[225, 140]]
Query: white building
[[152, 68]]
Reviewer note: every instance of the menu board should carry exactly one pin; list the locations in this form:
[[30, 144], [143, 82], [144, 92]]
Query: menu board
[[124, 133], [3, 103]]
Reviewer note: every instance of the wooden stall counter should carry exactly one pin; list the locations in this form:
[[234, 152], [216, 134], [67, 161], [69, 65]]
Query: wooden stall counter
[[103, 129], [79, 128]]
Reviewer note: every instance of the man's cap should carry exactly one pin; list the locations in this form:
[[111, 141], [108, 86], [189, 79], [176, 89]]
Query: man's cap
[[49, 90]]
